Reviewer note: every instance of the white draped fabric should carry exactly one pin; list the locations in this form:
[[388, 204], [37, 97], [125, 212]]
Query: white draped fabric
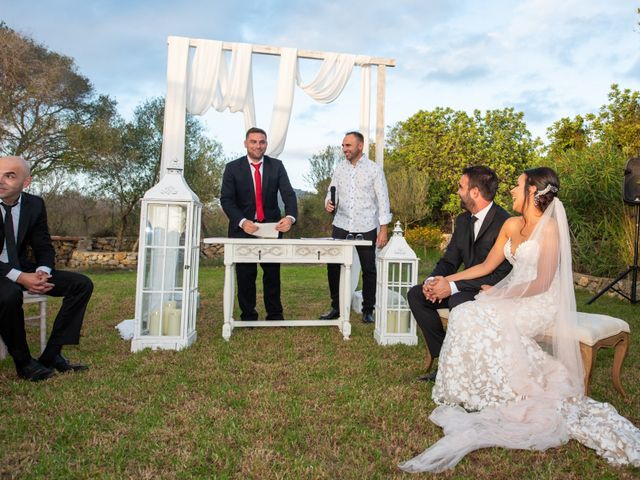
[[211, 83], [333, 75]]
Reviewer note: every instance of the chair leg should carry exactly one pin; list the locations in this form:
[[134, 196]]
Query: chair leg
[[619, 353], [588, 361], [43, 326]]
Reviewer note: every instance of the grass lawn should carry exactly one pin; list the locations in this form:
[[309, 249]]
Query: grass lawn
[[270, 403]]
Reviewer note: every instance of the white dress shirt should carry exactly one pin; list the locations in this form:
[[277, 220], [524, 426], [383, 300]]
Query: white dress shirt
[[361, 196], [253, 178]]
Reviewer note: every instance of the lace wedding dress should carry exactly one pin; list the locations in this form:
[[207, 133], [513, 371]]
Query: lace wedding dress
[[508, 374]]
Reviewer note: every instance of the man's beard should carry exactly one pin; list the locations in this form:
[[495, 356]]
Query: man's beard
[[467, 204]]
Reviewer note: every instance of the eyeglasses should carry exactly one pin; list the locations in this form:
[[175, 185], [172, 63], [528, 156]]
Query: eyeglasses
[[357, 237]]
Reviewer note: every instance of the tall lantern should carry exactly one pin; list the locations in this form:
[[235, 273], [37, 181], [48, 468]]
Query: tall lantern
[[397, 266], [168, 260]]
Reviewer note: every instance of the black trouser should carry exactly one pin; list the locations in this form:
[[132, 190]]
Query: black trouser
[[76, 291], [367, 256], [427, 318], [246, 280]]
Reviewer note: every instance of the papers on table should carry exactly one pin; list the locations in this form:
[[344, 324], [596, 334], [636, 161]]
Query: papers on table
[[266, 230]]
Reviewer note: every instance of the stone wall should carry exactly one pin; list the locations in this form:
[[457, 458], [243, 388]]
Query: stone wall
[[108, 260], [108, 244], [64, 248], [208, 250], [83, 252], [596, 284]]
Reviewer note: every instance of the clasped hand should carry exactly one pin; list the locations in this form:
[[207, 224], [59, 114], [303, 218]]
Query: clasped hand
[[436, 288], [36, 283]]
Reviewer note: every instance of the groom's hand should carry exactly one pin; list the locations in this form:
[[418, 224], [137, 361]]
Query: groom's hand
[[439, 288]]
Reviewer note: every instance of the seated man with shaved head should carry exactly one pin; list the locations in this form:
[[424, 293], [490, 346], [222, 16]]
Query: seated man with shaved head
[[24, 224]]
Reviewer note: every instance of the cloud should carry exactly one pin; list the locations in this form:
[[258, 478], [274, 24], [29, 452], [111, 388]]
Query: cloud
[[539, 105], [465, 74]]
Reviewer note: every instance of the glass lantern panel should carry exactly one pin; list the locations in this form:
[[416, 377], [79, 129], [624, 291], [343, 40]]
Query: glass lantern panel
[[174, 270], [195, 252], [394, 272], [176, 225], [153, 264], [156, 224], [151, 314], [398, 321], [171, 314], [406, 276]]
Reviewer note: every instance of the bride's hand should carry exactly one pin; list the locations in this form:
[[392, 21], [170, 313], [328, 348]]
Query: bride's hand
[[485, 288]]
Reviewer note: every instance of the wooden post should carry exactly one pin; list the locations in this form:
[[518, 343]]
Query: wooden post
[[380, 115]]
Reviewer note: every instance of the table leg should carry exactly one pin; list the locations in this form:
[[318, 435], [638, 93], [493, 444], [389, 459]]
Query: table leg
[[345, 300], [227, 302]]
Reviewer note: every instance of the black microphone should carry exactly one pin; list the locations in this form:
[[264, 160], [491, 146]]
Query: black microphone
[[333, 198]]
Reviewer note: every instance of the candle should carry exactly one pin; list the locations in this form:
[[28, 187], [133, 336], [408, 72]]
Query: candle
[[398, 321], [169, 306], [392, 321], [404, 323], [155, 327], [173, 327]]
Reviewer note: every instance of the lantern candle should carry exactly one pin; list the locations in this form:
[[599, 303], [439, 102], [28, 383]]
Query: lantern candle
[[155, 324], [173, 324]]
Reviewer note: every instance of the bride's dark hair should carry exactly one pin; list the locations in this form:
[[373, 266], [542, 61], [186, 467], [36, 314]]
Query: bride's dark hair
[[541, 178]]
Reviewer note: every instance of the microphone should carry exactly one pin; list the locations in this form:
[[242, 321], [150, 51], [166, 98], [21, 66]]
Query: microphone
[[333, 198]]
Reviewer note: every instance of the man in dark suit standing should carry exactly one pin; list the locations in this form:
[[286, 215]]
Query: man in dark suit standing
[[249, 195], [476, 230], [24, 224]]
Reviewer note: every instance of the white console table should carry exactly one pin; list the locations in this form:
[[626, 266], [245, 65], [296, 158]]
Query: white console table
[[255, 250]]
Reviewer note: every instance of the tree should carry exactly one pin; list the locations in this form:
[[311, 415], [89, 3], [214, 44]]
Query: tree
[[322, 166], [617, 124], [409, 194], [567, 134], [123, 158], [41, 95], [314, 221], [440, 143]]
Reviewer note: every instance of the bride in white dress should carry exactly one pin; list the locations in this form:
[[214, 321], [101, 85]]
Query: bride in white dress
[[510, 372]]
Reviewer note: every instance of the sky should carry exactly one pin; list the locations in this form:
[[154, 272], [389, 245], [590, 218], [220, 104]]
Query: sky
[[547, 58]]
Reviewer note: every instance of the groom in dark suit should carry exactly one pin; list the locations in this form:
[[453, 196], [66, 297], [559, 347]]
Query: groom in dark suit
[[476, 230], [24, 225], [249, 196]]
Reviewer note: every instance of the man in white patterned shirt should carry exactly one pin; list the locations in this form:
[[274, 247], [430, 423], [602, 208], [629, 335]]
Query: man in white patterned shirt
[[362, 205]]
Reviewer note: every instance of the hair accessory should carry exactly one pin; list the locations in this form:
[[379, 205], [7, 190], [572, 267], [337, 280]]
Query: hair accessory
[[547, 189]]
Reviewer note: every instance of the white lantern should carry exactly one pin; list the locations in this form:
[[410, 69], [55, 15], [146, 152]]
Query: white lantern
[[168, 260], [397, 272]]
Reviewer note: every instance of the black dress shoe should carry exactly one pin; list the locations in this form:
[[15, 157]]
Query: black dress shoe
[[34, 371], [429, 377], [367, 318], [331, 314], [61, 364]]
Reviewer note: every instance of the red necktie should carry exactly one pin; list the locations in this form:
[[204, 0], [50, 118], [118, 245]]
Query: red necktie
[[258, 179]]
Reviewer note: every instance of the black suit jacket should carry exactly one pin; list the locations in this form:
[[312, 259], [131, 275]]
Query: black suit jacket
[[459, 252], [33, 232], [238, 198]]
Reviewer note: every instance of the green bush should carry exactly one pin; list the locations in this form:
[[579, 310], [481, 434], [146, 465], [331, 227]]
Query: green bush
[[423, 238], [591, 190]]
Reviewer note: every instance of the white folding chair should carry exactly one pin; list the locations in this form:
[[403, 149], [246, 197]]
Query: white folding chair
[[41, 318]]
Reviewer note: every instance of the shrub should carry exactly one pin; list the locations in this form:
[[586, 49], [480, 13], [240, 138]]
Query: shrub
[[424, 238], [591, 190]]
